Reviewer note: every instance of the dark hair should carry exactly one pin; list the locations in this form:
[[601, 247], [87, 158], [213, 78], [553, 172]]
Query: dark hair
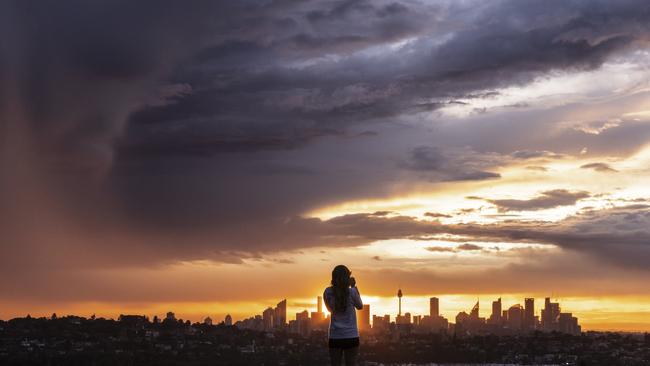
[[341, 287]]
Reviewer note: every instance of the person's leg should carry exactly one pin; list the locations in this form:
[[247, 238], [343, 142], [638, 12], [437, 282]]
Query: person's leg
[[336, 355], [350, 355]]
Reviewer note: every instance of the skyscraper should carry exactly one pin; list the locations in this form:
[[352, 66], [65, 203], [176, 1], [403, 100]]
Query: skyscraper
[[317, 316], [495, 318], [434, 307], [363, 321], [529, 314], [550, 315], [267, 318], [475, 310], [280, 316], [228, 320], [515, 317], [303, 315]]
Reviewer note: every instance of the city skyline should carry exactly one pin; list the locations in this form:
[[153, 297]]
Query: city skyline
[[210, 157], [521, 319], [416, 305]]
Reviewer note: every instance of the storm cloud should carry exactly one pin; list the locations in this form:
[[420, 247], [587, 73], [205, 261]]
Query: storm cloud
[[546, 200], [155, 132]]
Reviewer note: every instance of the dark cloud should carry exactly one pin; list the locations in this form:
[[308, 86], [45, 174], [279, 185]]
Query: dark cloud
[[529, 154], [546, 200], [436, 215], [599, 167], [468, 246], [441, 249], [537, 168], [460, 248], [156, 131], [458, 166]]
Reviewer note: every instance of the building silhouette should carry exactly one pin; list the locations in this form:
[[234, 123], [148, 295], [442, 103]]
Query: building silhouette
[[280, 314], [528, 323], [550, 316], [516, 319], [495, 317], [267, 318], [434, 307]]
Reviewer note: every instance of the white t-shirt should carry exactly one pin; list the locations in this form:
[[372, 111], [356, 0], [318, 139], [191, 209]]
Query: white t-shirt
[[343, 324]]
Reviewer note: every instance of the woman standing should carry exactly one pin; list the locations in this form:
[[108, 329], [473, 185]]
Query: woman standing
[[341, 299]]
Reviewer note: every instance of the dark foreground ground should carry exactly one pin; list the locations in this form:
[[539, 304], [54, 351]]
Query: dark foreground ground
[[87, 342]]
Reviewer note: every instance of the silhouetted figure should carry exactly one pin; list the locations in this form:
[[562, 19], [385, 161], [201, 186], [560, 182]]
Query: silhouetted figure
[[341, 300]]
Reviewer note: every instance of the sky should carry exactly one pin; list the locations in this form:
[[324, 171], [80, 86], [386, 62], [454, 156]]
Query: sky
[[213, 157]]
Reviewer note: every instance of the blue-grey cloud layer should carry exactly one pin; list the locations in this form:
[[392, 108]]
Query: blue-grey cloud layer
[[183, 125]]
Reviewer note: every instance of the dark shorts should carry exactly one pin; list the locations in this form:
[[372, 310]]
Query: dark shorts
[[344, 343]]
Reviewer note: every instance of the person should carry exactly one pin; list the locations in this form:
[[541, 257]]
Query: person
[[341, 299]]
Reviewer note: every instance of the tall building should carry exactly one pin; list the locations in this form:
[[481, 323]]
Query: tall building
[[475, 309], [417, 319], [495, 317], [363, 320], [207, 321], [267, 318], [403, 319], [434, 307], [303, 315], [380, 323], [515, 317], [567, 323], [529, 314], [550, 315], [280, 315], [318, 317], [228, 320], [469, 323]]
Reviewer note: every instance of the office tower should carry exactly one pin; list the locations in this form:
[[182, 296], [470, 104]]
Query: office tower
[[475, 309], [319, 304], [303, 315], [228, 320], [363, 321], [567, 323], [515, 317], [434, 307], [417, 319], [280, 316], [399, 296], [207, 321], [550, 315], [170, 316], [529, 314], [380, 323], [495, 318], [267, 318]]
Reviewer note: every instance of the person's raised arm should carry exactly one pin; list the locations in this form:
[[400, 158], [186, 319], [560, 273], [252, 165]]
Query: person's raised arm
[[356, 296]]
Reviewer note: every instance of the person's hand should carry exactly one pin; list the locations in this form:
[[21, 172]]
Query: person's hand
[[353, 282]]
